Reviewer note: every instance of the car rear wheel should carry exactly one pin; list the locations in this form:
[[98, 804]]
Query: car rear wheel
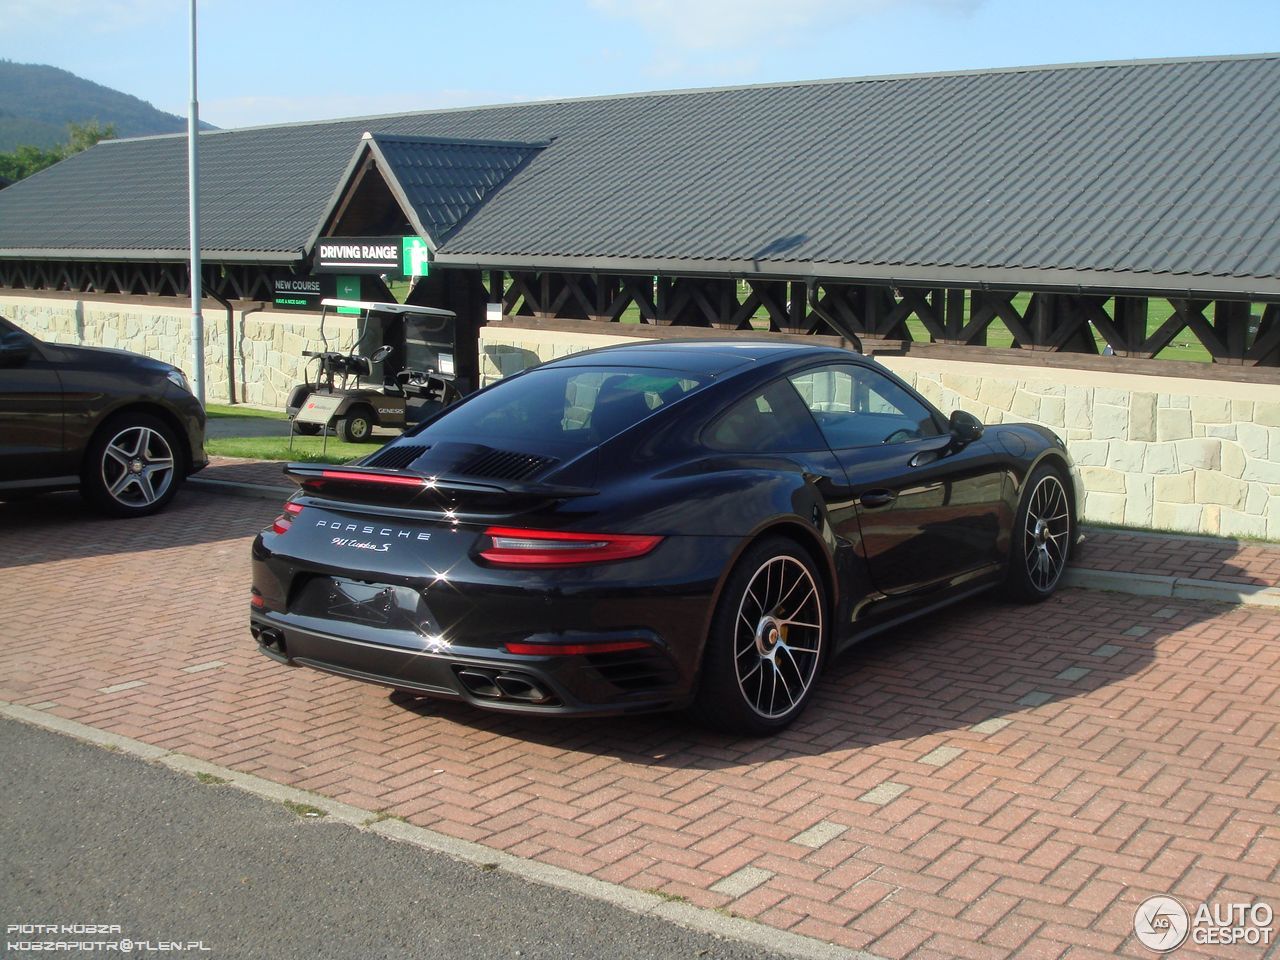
[[132, 466], [1041, 542], [768, 640], [356, 426], [308, 429]]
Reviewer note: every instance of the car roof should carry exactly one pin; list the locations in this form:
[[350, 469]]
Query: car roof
[[709, 357]]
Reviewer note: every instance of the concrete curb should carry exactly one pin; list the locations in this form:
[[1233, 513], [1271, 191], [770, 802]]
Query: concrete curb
[[1178, 588], [635, 901], [238, 488]]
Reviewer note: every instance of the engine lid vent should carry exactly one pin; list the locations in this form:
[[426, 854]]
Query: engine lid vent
[[504, 465], [397, 457]]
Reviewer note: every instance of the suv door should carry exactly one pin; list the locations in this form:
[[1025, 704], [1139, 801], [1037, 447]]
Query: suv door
[[928, 509], [31, 411]]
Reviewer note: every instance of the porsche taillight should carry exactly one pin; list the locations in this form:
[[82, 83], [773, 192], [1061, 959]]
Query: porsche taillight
[[516, 547], [282, 523]]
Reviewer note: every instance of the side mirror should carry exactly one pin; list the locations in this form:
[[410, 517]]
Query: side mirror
[[965, 427]]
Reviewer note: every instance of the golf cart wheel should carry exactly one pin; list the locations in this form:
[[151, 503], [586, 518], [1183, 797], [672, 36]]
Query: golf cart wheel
[[307, 429], [356, 426]]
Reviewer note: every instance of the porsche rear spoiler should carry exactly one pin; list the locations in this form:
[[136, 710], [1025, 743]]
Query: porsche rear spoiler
[[397, 486]]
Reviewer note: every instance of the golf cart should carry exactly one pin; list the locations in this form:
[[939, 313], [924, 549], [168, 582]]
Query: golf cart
[[421, 350]]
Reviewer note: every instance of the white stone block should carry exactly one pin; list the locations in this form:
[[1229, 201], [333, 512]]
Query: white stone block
[[1139, 500], [1203, 454], [1104, 507], [1255, 439], [1102, 480], [1223, 431], [1266, 471], [1160, 458], [1211, 409], [1026, 406], [1184, 518], [1110, 422], [1236, 524], [1089, 452], [1172, 424], [1233, 460], [1079, 408], [1053, 411], [1142, 416], [1127, 455], [1267, 413], [1213, 487], [997, 393], [963, 384], [1176, 488], [1115, 398], [1211, 520], [1241, 410]]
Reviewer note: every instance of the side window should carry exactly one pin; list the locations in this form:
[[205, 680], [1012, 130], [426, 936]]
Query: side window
[[772, 420], [857, 406]]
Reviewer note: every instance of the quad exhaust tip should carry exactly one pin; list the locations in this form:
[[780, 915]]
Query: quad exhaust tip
[[502, 685]]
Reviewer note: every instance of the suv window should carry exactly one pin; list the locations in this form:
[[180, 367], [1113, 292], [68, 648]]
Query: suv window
[[772, 420], [857, 406]]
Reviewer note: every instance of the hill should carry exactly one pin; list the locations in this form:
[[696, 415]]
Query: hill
[[38, 101]]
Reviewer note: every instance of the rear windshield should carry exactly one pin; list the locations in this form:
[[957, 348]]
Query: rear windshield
[[562, 409]]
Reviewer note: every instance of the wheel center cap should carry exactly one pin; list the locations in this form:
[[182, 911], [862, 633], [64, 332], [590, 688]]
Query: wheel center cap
[[768, 635], [135, 466]]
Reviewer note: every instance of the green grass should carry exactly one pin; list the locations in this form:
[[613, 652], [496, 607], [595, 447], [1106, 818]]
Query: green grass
[[303, 809], [221, 411], [210, 779], [305, 449]]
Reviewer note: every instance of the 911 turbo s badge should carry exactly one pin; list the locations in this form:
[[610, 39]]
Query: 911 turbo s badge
[[360, 544]]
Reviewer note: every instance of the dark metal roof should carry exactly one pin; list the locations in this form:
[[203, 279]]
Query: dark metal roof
[[439, 182], [1146, 175]]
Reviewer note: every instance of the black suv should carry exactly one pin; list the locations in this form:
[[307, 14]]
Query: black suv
[[121, 427]]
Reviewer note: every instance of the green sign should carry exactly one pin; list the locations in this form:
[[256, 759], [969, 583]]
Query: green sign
[[415, 257], [348, 288]]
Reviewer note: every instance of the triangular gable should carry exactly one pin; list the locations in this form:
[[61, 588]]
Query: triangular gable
[[436, 183]]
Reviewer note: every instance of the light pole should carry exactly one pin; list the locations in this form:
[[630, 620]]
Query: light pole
[[193, 195]]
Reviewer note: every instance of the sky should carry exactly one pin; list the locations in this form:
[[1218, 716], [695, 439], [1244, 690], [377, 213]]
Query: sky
[[274, 61]]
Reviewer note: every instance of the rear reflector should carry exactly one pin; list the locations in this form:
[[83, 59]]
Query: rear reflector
[[282, 523], [513, 547], [574, 649]]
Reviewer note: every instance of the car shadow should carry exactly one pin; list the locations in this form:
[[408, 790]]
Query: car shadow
[[61, 526], [980, 662]]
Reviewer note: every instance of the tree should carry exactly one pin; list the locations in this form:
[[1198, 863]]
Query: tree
[[26, 159]]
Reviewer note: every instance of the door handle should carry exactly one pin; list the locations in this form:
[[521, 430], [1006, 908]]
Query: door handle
[[877, 498]]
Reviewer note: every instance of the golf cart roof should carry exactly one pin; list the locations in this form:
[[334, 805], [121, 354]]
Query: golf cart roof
[[387, 307]]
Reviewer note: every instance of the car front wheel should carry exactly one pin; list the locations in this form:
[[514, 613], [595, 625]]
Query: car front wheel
[[132, 466], [768, 639], [1041, 542]]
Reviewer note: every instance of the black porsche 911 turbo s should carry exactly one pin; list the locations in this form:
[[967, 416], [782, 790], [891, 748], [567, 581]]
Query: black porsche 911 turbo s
[[655, 526]]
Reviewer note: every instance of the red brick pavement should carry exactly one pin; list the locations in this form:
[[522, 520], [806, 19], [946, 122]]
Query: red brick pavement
[[1201, 558], [1001, 780]]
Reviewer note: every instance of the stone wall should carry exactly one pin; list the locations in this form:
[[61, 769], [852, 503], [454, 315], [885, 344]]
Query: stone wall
[[268, 345], [1195, 456]]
